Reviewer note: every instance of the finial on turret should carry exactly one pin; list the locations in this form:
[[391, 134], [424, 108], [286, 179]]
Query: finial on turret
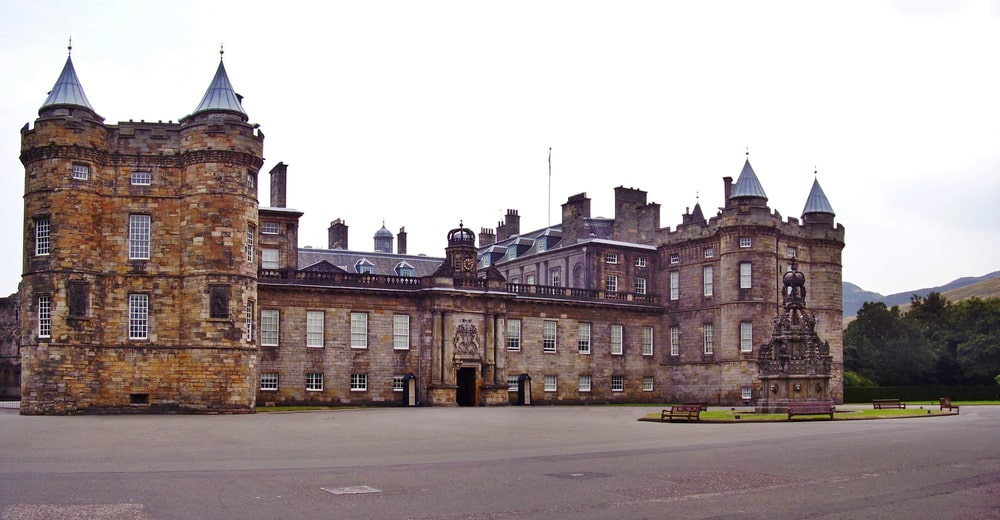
[[748, 151], [815, 171], [222, 50], [69, 47], [697, 195]]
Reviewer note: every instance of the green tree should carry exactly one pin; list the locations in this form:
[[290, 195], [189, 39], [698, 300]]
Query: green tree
[[977, 327], [935, 316], [880, 345]]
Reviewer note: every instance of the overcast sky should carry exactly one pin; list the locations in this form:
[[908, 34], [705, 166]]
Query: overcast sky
[[425, 114]]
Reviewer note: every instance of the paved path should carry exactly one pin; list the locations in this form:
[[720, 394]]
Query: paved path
[[496, 463]]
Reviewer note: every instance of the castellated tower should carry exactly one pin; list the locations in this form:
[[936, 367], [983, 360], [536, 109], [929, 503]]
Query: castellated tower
[[139, 258]]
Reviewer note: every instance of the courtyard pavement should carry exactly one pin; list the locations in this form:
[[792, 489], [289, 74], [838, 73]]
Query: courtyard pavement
[[539, 462]]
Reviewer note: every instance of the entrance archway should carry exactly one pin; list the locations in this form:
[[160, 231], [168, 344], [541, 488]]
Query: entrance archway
[[465, 395]]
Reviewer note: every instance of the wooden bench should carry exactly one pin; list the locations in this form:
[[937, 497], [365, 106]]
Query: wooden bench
[[945, 402], [880, 404], [811, 408], [686, 412]]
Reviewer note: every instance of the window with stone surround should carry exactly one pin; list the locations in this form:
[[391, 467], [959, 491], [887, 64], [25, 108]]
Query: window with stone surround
[[251, 234], [43, 242], [617, 340], [78, 299], [269, 258], [250, 325], [745, 393], [359, 330], [44, 316], [398, 383], [709, 285], [746, 242], [549, 337], [583, 338], [141, 178], [514, 335], [81, 172], [647, 383], [512, 383], [359, 382], [314, 382], [269, 319], [611, 283], [640, 286], [314, 328], [746, 336], [709, 339], [218, 302], [270, 228], [617, 383], [793, 252], [647, 340], [269, 381], [585, 382], [611, 258], [675, 340], [709, 252], [139, 229], [675, 258], [640, 261], [138, 316], [746, 275], [675, 285], [401, 332], [550, 383]]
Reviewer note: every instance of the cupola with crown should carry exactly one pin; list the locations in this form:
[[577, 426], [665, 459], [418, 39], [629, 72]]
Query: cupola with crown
[[460, 255]]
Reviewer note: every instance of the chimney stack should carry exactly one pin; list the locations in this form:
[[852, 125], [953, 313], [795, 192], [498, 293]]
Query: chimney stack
[[337, 235], [401, 241], [278, 181]]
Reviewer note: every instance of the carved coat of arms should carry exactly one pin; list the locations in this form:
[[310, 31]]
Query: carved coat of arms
[[466, 340]]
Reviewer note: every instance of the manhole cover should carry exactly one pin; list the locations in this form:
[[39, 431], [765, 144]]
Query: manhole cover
[[351, 490]]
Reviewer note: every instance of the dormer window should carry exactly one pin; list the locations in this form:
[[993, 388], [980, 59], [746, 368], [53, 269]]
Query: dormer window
[[364, 266], [405, 269], [540, 245], [512, 253]]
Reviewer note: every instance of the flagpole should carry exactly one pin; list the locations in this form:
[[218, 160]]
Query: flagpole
[[550, 187]]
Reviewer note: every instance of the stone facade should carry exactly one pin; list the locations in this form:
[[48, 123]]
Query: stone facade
[[219, 308]]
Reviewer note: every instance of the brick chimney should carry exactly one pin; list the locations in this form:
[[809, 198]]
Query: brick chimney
[[401, 241]]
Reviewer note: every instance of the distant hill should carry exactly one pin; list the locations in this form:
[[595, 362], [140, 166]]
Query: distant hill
[[986, 286]]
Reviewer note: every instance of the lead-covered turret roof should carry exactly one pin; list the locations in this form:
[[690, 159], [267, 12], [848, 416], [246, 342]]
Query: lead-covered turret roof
[[220, 95], [67, 90], [747, 185], [817, 201]]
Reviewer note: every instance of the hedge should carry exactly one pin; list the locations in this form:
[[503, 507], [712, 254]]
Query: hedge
[[922, 393]]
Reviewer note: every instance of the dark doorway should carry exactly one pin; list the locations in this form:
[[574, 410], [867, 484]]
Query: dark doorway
[[465, 395]]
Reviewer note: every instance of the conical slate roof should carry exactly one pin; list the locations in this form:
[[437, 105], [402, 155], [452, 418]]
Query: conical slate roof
[[747, 185], [220, 95], [697, 215], [67, 90], [817, 201]]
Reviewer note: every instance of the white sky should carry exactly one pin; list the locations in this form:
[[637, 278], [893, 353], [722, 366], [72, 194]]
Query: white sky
[[427, 113]]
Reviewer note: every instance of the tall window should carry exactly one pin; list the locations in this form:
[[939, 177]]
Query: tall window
[[793, 252], [42, 238], [709, 273], [675, 285], [746, 393], [250, 315], [616, 340], [617, 383], [138, 237], [640, 286], [251, 233], [314, 382], [314, 328], [530, 279], [675, 340], [611, 283], [549, 336], [269, 319], [269, 381], [401, 331], [44, 316], [554, 278], [540, 244], [359, 330], [746, 336], [269, 258], [513, 334], [359, 382], [583, 338], [647, 383], [584, 383], [746, 279], [550, 383], [138, 316], [709, 339], [141, 178], [745, 242], [81, 172], [647, 340]]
